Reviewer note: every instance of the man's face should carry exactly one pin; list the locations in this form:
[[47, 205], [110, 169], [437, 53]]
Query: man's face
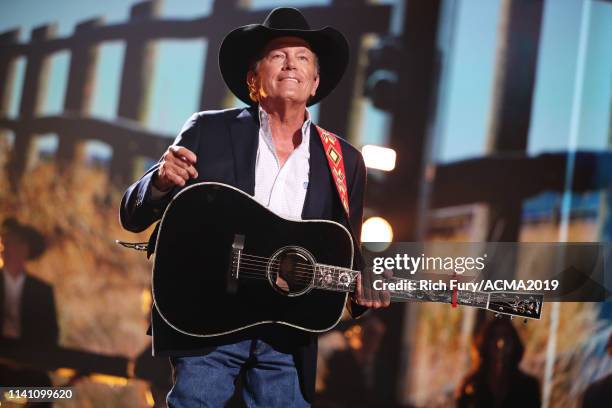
[[287, 71], [15, 252]]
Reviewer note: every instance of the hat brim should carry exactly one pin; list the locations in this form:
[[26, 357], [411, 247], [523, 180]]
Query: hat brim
[[244, 45], [35, 240]]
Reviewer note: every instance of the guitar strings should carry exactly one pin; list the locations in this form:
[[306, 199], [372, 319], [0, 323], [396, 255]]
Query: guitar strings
[[303, 277], [253, 275], [330, 288], [299, 265], [308, 271], [277, 263], [296, 271], [306, 267], [308, 274], [267, 260], [257, 270], [247, 273], [264, 267]]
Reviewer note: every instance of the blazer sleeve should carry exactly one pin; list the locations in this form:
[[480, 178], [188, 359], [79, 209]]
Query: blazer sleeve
[[39, 313], [138, 208], [356, 200]]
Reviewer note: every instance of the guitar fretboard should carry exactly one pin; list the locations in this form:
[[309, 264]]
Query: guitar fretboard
[[344, 280], [338, 279]]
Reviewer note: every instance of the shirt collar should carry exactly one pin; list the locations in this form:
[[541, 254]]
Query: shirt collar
[[11, 280], [264, 125]]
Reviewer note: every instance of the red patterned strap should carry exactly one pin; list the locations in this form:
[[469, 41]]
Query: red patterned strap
[[455, 292], [333, 151]]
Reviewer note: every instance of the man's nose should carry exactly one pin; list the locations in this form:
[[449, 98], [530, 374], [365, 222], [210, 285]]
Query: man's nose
[[289, 62]]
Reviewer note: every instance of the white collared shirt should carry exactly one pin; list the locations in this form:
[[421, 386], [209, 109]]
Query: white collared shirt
[[281, 189], [13, 290]]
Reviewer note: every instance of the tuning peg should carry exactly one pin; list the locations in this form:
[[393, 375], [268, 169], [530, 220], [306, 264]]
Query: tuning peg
[[497, 315]]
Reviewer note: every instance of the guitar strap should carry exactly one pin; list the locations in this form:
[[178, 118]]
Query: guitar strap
[[333, 151]]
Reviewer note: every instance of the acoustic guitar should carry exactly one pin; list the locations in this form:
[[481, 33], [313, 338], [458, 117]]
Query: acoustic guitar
[[225, 263]]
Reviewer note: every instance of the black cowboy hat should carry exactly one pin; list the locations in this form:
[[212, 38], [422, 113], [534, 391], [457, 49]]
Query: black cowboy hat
[[34, 239], [244, 45]]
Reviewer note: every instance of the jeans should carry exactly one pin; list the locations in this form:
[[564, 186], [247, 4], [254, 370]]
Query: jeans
[[270, 378]]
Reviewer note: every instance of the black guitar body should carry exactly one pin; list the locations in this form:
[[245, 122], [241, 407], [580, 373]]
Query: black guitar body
[[192, 288]]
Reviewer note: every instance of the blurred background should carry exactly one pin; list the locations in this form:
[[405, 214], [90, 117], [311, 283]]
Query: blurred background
[[479, 120]]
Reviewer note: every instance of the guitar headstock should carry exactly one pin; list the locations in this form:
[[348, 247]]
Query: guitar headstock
[[516, 304]]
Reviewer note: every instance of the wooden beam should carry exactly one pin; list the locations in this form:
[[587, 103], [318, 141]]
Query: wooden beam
[[135, 90], [32, 98], [79, 94], [518, 41]]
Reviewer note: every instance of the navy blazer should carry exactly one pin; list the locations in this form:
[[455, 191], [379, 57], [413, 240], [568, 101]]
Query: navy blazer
[[38, 313], [225, 143]]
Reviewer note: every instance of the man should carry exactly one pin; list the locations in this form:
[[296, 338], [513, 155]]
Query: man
[[599, 393], [272, 151], [496, 379], [27, 304]]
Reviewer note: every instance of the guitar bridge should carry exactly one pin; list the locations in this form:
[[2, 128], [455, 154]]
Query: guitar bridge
[[234, 269]]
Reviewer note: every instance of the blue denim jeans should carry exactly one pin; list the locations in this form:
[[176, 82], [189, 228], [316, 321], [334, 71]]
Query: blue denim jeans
[[270, 378]]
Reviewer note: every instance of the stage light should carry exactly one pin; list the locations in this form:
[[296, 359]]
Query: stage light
[[376, 229], [146, 300], [112, 380], [378, 157]]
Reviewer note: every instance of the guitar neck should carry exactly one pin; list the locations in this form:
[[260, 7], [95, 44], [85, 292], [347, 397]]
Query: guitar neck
[[344, 280], [338, 279]]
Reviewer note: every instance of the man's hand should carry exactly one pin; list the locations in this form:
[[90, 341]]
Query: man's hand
[[176, 167], [368, 297]]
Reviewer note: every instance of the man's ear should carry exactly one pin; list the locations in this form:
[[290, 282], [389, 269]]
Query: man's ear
[[252, 86], [250, 78], [315, 86]]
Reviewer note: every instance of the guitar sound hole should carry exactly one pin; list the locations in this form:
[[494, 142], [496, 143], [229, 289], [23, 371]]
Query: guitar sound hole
[[291, 271]]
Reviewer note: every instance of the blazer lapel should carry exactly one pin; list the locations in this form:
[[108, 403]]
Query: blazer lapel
[[318, 193], [244, 131]]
